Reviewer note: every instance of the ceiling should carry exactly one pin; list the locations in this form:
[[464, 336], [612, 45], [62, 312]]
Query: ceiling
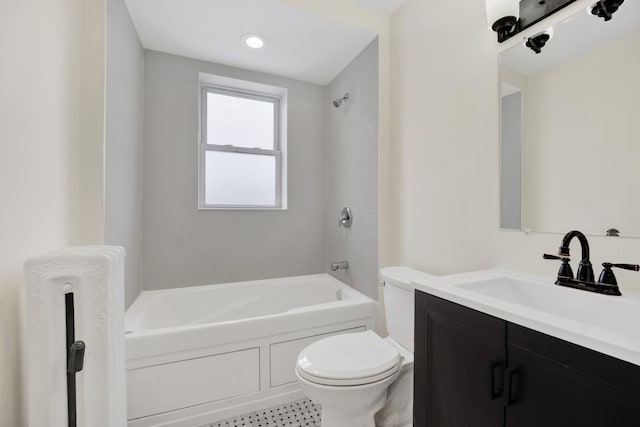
[[301, 45], [572, 38]]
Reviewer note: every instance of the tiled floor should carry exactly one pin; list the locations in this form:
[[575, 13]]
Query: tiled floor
[[301, 413]]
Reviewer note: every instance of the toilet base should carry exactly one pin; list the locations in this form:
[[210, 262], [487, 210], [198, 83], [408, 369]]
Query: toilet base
[[352, 417], [348, 406], [398, 408]]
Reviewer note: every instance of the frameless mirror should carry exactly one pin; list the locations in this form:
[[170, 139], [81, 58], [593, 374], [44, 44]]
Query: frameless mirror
[[570, 128]]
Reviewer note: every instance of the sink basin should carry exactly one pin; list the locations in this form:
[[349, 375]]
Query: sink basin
[[605, 323]]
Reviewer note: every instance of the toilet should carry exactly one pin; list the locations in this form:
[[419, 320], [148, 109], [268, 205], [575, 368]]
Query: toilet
[[361, 379]]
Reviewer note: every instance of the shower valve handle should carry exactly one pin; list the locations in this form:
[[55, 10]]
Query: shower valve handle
[[346, 218]]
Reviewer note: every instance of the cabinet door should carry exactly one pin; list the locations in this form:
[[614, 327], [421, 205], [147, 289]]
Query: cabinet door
[[459, 355], [566, 385]]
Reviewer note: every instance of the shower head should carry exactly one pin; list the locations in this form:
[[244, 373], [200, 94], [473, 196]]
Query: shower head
[[338, 102]]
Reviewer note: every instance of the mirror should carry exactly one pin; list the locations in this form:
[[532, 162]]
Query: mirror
[[570, 128]]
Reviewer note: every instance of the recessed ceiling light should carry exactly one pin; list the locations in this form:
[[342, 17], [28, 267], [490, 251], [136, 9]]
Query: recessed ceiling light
[[254, 41]]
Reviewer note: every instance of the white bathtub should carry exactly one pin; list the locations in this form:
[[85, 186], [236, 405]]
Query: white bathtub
[[201, 354]]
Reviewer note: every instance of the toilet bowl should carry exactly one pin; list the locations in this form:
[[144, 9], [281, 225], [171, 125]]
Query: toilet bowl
[[361, 379]]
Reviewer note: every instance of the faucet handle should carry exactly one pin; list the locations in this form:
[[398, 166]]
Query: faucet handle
[[565, 268], [608, 278], [634, 267]]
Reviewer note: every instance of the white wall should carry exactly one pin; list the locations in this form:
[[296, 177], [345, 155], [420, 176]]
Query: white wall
[[86, 157], [444, 131], [186, 246], [41, 109], [352, 172], [444, 103], [123, 142]]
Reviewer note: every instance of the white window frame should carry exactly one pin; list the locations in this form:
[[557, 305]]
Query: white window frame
[[241, 89]]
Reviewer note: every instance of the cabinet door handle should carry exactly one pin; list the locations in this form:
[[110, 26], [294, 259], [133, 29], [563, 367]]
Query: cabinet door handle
[[514, 382], [497, 378]]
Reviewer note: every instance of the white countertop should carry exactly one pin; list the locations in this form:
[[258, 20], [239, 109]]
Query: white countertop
[[605, 323]]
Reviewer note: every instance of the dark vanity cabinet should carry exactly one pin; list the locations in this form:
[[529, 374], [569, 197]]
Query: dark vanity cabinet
[[455, 349], [476, 370]]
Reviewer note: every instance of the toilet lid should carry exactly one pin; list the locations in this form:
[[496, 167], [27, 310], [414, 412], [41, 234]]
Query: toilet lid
[[362, 357]]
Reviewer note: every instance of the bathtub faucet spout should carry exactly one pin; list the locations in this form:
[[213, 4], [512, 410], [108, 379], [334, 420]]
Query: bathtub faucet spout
[[341, 265]]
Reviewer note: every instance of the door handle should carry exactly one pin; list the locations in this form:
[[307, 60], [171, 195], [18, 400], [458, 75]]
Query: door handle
[[514, 383], [497, 378]]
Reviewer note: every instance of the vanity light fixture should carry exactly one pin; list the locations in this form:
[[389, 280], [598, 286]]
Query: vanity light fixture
[[254, 41], [502, 17], [510, 17], [605, 8], [538, 41]]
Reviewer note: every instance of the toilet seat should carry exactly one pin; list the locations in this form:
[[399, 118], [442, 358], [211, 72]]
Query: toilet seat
[[348, 381], [349, 360]]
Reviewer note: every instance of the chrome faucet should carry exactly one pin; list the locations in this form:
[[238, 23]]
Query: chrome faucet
[[341, 265]]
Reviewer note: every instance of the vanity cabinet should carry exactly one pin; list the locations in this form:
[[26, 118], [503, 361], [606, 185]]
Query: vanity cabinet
[[476, 370]]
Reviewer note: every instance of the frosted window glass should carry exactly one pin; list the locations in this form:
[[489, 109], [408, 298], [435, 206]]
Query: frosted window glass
[[240, 179], [240, 122]]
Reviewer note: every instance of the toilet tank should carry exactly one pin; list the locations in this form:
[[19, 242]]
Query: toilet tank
[[399, 302]]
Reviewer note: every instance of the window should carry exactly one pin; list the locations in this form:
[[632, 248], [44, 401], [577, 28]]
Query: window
[[242, 161]]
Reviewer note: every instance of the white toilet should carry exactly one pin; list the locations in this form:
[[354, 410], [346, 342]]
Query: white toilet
[[354, 376]]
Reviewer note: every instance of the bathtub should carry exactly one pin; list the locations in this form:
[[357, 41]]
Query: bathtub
[[201, 354]]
